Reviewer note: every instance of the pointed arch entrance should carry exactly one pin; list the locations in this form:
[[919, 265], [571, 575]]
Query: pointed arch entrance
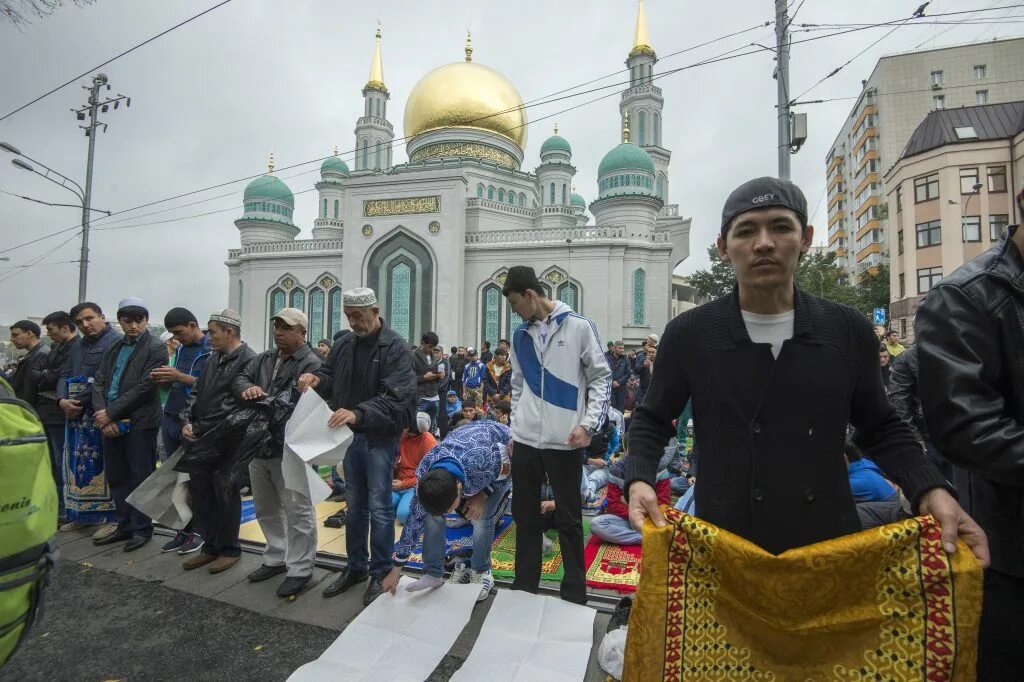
[[401, 270]]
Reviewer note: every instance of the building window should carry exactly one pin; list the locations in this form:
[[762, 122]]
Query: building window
[[277, 302], [479, 191], [522, 200], [968, 179], [501, 195], [401, 284], [979, 71], [997, 178], [377, 160], [639, 297], [926, 188], [316, 315], [325, 208], [491, 314], [660, 192], [929, 234], [490, 193], [565, 195], [378, 107], [642, 137], [366, 154], [939, 102], [903, 285], [298, 299], [936, 78], [335, 311], [981, 96], [337, 206], [568, 293], [997, 226], [899, 199], [899, 242], [657, 129], [972, 228], [551, 198], [927, 278]]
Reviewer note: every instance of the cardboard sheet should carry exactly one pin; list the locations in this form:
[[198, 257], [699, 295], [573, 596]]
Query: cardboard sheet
[[397, 638], [163, 496], [309, 441], [529, 637]]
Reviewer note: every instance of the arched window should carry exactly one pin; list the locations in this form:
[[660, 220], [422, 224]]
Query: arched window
[[298, 299], [316, 315], [335, 312], [337, 206], [660, 192], [657, 129], [366, 153], [569, 294], [642, 126], [401, 283], [479, 191], [490, 193], [491, 314], [377, 166], [276, 303], [378, 106], [522, 200], [501, 195], [368, 105], [639, 297], [551, 200], [565, 194], [511, 197]]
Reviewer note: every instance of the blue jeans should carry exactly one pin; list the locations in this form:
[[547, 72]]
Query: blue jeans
[[400, 500], [594, 479], [483, 535], [429, 407], [614, 529], [368, 469]]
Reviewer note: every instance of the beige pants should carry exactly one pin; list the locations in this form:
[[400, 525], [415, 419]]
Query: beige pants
[[287, 520]]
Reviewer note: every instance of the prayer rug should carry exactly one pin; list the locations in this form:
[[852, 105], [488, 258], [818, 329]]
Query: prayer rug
[[886, 603], [454, 539], [612, 567], [248, 511], [503, 555], [87, 495], [594, 508]]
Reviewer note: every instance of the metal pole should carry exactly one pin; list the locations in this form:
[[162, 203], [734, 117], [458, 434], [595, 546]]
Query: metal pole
[[575, 304], [782, 83], [83, 264]]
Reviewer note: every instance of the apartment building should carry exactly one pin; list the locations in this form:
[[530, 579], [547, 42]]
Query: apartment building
[[901, 91], [950, 197]]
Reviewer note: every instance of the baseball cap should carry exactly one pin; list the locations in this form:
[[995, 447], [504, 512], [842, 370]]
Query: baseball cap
[[293, 317], [765, 192], [471, 351]]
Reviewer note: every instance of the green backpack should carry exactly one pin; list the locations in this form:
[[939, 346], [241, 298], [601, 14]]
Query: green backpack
[[28, 519]]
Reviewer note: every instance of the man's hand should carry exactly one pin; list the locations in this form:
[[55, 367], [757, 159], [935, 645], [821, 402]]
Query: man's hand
[[253, 393], [102, 419], [510, 448], [643, 505], [308, 381], [597, 463], [578, 438], [111, 430], [691, 479], [390, 582], [188, 434], [72, 408], [430, 376], [341, 417], [396, 484], [547, 506], [615, 384], [167, 374], [475, 507], [954, 521]]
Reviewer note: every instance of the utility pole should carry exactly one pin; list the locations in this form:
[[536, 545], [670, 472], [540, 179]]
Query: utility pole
[[94, 105], [782, 85]]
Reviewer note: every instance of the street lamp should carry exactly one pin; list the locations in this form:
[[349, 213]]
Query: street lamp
[[975, 188]]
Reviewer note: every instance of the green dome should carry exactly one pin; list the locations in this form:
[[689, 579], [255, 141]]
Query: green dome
[[269, 187], [626, 156], [556, 143], [577, 200], [334, 164]]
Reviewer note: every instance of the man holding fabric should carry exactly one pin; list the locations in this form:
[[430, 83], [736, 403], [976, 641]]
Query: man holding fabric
[[775, 375], [468, 472], [370, 384]]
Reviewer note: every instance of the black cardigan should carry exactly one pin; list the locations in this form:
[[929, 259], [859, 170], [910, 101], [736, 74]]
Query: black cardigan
[[772, 431]]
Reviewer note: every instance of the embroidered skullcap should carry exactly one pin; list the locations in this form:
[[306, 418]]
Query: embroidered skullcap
[[362, 297]]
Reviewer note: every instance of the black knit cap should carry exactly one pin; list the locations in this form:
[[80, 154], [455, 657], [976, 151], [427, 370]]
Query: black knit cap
[[766, 192], [520, 278]]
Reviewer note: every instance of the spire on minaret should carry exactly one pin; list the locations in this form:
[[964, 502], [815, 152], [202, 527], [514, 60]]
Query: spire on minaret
[[641, 42], [376, 80], [556, 129], [270, 164], [469, 46], [625, 129]]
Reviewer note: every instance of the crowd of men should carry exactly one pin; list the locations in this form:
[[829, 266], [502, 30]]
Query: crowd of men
[[774, 378]]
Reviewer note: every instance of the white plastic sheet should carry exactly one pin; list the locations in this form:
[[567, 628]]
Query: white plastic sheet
[[397, 638], [163, 496], [309, 441], [529, 637]]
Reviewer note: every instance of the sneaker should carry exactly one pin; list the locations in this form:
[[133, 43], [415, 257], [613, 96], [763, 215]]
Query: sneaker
[[460, 574], [73, 525], [485, 580], [620, 617], [105, 530], [193, 543], [174, 544], [546, 545]]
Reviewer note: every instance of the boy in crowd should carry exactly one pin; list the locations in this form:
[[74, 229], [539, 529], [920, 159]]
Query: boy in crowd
[[416, 442], [473, 376]]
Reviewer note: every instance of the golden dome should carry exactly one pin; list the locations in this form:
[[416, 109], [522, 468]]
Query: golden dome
[[466, 95]]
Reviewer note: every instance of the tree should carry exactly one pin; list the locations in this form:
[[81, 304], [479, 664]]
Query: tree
[[716, 282], [873, 290], [20, 12], [818, 274]]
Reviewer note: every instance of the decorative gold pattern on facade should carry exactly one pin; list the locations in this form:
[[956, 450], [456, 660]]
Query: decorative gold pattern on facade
[[270, 164], [434, 227], [367, 231], [383, 207], [554, 277], [464, 149], [327, 282], [501, 278], [287, 283]]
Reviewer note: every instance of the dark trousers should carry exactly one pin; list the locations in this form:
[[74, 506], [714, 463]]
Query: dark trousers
[[564, 469], [217, 511], [442, 415], [127, 461], [55, 437], [1000, 654], [618, 398], [170, 433], [369, 469]]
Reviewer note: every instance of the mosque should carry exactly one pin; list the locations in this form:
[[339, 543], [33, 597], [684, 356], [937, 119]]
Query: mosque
[[435, 236]]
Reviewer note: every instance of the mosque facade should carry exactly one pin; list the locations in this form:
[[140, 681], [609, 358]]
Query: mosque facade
[[435, 235]]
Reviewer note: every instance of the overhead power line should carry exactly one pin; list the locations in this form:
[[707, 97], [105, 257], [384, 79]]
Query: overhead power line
[[907, 92]]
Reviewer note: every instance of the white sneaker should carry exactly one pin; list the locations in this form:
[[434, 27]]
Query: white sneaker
[[546, 545], [460, 574], [486, 582], [104, 531]]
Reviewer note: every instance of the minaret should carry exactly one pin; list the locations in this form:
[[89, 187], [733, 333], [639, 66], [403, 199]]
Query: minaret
[[374, 133], [643, 103], [554, 179]]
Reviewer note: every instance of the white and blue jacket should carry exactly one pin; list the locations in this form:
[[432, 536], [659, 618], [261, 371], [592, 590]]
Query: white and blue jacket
[[558, 382]]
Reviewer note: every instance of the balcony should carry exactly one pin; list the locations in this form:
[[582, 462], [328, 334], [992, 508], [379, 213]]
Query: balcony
[[865, 205], [328, 222], [834, 181], [669, 211], [503, 207], [872, 224], [839, 234], [864, 113], [867, 251], [841, 253], [863, 139], [871, 154], [868, 179], [535, 236], [296, 247], [837, 160], [837, 198], [836, 218]]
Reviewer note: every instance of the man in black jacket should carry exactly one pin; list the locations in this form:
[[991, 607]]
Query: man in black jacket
[[286, 518], [61, 330], [428, 374], [25, 335], [370, 384], [775, 375], [904, 392], [970, 335], [216, 503], [622, 368], [127, 404]]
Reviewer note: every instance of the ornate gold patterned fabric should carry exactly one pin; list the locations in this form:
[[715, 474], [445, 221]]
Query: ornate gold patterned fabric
[[884, 604]]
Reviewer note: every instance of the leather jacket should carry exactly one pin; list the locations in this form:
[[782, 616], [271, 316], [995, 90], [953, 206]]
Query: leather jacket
[[212, 398], [903, 391], [970, 330]]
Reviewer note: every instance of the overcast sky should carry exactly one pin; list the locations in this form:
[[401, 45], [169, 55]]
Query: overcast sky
[[211, 99]]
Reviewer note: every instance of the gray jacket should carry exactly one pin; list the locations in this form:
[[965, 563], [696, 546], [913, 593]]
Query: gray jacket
[[138, 396]]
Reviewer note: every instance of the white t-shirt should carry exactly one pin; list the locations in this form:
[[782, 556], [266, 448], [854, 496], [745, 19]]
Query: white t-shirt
[[773, 329]]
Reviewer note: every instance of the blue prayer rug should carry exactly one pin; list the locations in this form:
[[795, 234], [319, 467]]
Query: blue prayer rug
[[454, 539]]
